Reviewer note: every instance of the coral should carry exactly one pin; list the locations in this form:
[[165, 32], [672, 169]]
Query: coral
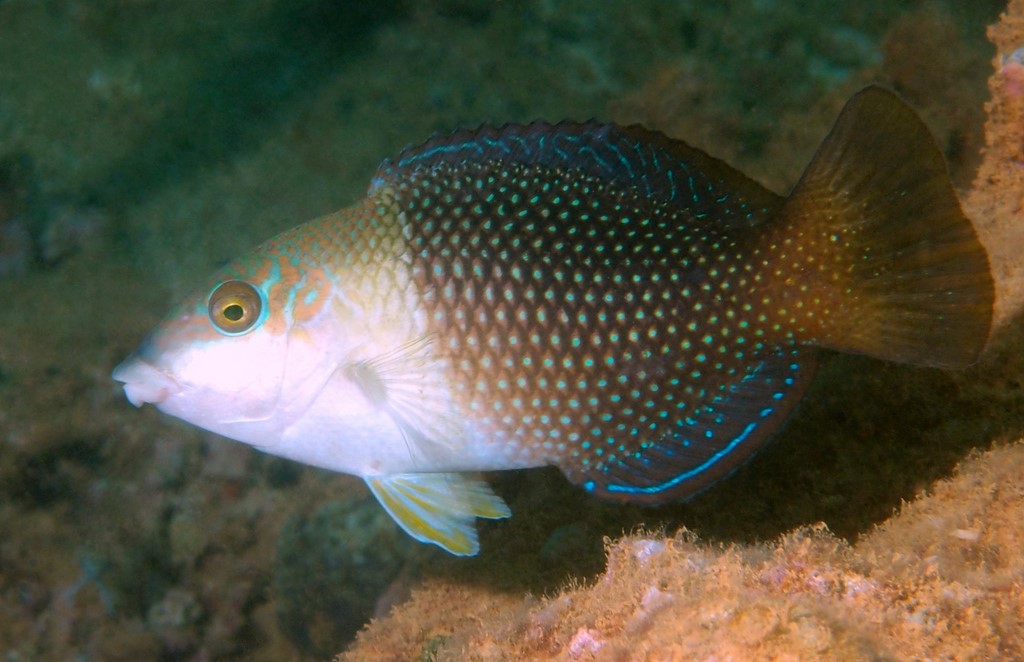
[[939, 580], [925, 59], [16, 245], [996, 200], [330, 569], [36, 234], [92, 573], [175, 621]]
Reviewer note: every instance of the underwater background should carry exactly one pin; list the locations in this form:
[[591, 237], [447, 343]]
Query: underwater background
[[145, 143]]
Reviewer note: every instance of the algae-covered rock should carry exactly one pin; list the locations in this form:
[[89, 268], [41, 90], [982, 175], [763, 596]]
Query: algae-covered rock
[[332, 567], [941, 580]]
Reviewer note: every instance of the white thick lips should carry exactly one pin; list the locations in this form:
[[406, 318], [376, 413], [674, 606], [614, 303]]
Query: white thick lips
[[142, 382]]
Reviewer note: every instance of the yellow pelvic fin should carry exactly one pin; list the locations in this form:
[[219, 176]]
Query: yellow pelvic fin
[[439, 508]]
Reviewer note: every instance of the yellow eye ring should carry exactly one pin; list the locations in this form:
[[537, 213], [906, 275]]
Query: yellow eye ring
[[235, 307]]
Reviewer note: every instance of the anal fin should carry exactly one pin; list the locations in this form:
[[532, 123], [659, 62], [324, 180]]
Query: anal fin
[[439, 508], [716, 437]]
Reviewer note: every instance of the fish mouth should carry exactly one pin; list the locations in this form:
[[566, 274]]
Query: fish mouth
[[144, 383]]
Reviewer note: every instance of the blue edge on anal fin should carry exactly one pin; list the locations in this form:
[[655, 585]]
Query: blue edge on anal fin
[[722, 437]]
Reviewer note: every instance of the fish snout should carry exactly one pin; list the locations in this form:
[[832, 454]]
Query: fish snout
[[143, 383]]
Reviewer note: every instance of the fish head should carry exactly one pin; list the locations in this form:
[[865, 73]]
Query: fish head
[[234, 357]]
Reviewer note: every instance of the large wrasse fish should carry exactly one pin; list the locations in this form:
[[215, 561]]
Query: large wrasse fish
[[596, 297]]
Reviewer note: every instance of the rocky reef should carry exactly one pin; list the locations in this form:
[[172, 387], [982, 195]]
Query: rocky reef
[[941, 579]]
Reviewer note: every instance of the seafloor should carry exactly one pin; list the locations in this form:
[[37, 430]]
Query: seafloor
[[144, 142]]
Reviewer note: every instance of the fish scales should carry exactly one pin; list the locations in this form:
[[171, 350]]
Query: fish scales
[[587, 325], [599, 298]]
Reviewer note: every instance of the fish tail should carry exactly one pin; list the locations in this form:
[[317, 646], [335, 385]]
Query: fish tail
[[880, 246]]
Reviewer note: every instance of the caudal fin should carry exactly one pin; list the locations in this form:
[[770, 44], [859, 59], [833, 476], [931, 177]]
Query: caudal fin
[[901, 272]]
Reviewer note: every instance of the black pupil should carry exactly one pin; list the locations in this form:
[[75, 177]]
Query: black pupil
[[234, 312]]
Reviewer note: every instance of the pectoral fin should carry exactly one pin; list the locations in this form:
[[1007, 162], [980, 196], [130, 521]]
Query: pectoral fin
[[439, 508], [406, 383]]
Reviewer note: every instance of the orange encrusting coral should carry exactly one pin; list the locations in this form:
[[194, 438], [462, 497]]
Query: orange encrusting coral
[[939, 580], [996, 200]]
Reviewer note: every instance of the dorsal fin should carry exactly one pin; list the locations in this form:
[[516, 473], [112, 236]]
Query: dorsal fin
[[647, 163]]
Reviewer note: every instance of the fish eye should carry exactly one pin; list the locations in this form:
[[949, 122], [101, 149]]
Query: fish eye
[[235, 307]]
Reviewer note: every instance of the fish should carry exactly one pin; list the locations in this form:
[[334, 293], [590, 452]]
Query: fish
[[597, 297]]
